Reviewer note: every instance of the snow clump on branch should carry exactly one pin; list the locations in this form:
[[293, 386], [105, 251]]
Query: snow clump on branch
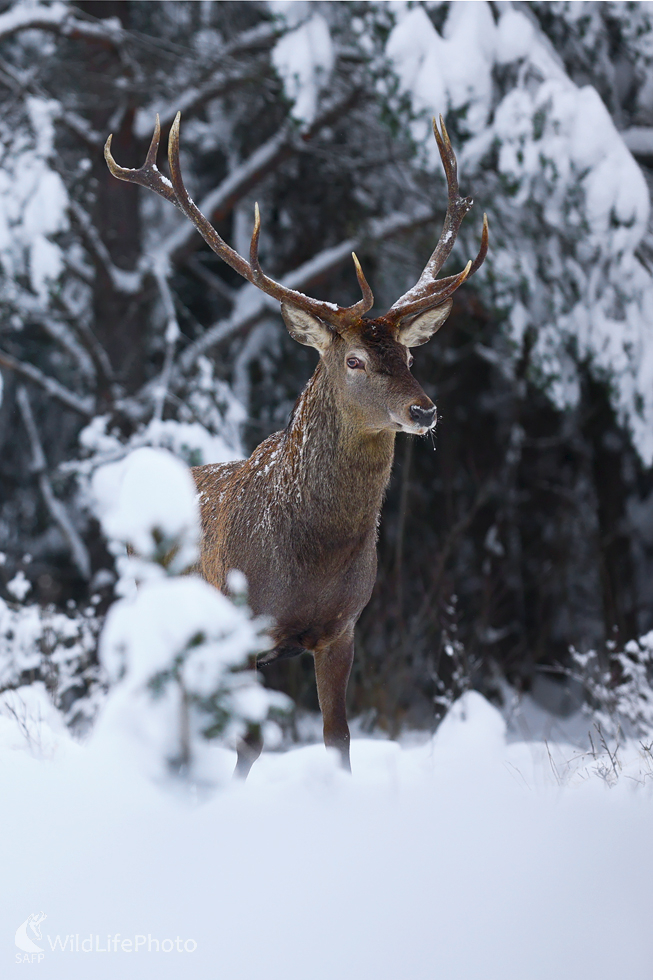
[[542, 153], [174, 648], [304, 58]]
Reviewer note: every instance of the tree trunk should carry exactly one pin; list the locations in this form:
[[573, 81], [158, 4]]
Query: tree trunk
[[118, 321]]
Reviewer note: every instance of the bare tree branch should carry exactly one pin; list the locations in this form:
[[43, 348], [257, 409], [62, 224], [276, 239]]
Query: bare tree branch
[[59, 513], [171, 337], [483, 494], [83, 406], [81, 128], [220, 201], [248, 352], [24, 81], [92, 346], [60, 19], [78, 339], [77, 267], [215, 283], [123, 281], [194, 98], [65, 337], [89, 341], [262, 36]]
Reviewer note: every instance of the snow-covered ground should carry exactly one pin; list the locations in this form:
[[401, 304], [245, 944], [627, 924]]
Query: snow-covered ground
[[472, 855], [496, 849]]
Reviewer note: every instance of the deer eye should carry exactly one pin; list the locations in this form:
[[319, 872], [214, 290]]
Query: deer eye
[[355, 362]]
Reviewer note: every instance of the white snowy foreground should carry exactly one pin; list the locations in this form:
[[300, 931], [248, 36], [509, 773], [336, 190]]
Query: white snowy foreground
[[465, 857]]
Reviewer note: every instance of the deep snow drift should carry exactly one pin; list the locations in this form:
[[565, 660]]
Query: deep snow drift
[[467, 856]]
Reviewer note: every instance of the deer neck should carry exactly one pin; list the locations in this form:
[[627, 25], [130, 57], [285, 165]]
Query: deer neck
[[342, 469]]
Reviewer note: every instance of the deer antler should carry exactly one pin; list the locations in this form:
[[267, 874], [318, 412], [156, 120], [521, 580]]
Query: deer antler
[[428, 291], [150, 176]]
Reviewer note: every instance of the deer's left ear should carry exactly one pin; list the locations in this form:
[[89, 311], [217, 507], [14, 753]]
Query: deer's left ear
[[422, 327], [306, 328]]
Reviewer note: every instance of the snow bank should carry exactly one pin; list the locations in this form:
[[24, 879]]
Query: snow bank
[[465, 857]]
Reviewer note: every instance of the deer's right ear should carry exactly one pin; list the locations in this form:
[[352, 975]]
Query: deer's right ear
[[306, 328]]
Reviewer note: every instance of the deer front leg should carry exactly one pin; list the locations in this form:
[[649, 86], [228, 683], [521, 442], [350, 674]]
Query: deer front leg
[[332, 670], [250, 747]]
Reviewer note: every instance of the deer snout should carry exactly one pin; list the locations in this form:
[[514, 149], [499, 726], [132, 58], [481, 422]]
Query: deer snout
[[422, 416]]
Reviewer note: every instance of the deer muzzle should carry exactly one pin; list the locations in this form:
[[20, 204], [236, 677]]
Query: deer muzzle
[[424, 417]]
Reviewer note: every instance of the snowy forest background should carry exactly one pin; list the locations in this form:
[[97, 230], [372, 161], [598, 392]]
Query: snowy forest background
[[497, 822], [521, 549]]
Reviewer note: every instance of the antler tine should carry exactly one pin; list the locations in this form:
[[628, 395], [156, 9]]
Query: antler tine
[[367, 302], [153, 149], [340, 318], [457, 206], [446, 288], [428, 291], [190, 209], [148, 175], [482, 252], [253, 248]]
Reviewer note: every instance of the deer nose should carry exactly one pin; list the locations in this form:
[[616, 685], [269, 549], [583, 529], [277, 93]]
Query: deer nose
[[423, 416]]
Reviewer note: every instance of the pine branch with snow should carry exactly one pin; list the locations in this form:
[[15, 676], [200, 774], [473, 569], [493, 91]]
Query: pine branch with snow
[[178, 653]]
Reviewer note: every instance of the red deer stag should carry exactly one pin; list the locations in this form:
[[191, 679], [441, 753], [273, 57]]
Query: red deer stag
[[299, 517]]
